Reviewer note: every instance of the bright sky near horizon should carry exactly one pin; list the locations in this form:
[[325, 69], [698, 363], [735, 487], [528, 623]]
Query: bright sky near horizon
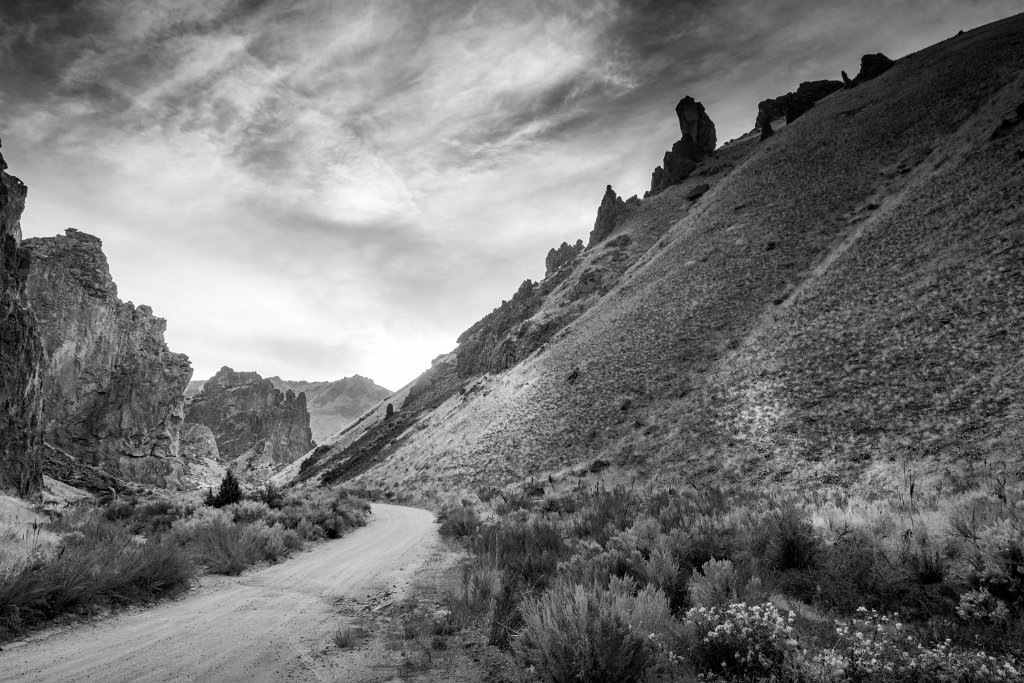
[[315, 189]]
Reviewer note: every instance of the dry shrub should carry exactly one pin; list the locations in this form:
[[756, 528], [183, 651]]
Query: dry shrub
[[100, 565], [469, 600], [458, 521], [529, 551], [576, 633], [718, 584]]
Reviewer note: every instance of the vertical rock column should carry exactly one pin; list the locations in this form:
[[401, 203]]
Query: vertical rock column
[[20, 352]]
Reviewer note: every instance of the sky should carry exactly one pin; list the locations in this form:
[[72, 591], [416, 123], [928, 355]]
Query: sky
[[319, 188]]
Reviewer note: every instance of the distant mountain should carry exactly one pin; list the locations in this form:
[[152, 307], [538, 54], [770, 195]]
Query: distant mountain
[[335, 405], [834, 299]]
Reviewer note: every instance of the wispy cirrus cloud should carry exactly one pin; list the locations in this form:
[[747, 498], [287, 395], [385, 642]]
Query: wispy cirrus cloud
[[314, 188]]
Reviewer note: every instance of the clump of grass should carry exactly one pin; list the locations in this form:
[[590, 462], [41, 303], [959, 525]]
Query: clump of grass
[[348, 637]]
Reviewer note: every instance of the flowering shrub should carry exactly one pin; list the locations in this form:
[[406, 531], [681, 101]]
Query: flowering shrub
[[743, 642], [876, 647]]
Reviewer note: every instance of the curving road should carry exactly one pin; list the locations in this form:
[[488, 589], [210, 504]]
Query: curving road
[[267, 625]]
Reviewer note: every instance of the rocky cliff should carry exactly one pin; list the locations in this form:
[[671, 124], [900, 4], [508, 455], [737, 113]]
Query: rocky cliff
[[112, 390], [20, 351], [250, 416]]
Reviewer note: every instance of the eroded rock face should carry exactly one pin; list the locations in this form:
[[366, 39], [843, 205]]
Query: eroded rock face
[[198, 442], [557, 258], [248, 415], [792, 105], [696, 127], [608, 214], [112, 390], [698, 141], [20, 352]]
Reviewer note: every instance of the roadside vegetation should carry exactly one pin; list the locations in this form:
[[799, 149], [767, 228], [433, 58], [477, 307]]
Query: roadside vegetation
[[592, 584], [96, 556]]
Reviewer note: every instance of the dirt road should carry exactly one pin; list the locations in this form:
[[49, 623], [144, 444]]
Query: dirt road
[[274, 624]]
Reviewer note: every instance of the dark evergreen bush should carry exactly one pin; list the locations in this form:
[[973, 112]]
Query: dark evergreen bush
[[229, 492]]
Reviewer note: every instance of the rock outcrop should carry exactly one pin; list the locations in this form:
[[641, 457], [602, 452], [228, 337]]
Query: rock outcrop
[[112, 390], [248, 414], [872, 66], [20, 352], [198, 443], [500, 339], [698, 141], [557, 258], [792, 105], [696, 127], [608, 214]]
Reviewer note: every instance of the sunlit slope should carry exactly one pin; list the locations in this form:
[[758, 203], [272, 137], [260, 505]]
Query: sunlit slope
[[849, 296]]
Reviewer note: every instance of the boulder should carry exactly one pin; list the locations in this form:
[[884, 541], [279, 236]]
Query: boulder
[[697, 192], [113, 393]]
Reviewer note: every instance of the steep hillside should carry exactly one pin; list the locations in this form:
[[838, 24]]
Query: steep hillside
[[840, 303], [112, 390], [335, 405], [20, 352]]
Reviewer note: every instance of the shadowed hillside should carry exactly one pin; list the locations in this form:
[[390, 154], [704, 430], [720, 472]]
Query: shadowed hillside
[[843, 298]]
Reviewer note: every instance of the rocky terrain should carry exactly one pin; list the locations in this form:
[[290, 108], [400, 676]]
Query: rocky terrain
[[112, 390], [253, 424], [20, 352], [335, 405], [820, 307]]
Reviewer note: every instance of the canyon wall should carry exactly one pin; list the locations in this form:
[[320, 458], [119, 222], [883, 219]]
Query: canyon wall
[[112, 390], [20, 351]]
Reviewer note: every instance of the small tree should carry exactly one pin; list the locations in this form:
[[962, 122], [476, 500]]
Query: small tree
[[229, 492]]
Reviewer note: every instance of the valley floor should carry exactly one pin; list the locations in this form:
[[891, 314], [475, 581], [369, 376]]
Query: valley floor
[[268, 625]]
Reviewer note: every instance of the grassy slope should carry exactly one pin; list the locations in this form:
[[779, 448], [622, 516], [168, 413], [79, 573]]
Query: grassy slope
[[865, 334]]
